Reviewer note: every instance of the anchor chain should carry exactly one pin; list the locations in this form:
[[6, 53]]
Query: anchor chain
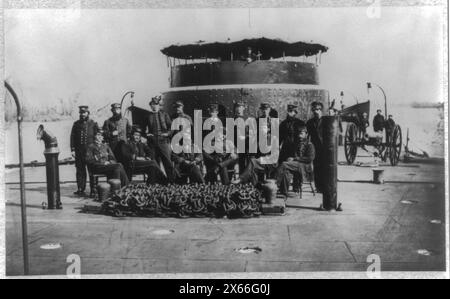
[[195, 200]]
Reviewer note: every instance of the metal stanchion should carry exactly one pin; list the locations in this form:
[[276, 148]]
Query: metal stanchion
[[23, 202], [330, 125]]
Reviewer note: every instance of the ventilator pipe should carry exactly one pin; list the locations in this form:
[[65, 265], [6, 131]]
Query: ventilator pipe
[[49, 139], [23, 202], [52, 167]]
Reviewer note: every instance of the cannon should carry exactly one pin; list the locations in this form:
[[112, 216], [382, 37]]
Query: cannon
[[355, 138]]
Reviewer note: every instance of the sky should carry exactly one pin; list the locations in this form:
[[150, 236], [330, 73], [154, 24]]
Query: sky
[[98, 55]]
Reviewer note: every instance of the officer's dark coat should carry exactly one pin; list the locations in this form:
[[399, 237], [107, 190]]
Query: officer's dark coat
[[82, 134], [178, 159], [127, 152], [122, 125], [181, 158], [378, 123], [288, 135], [98, 154], [268, 136], [140, 150], [216, 159], [151, 125], [305, 153], [314, 127], [390, 124]]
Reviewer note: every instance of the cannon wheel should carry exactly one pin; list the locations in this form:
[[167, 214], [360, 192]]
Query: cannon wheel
[[351, 136], [395, 145]]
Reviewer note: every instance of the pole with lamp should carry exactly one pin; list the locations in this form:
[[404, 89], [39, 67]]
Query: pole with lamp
[[131, 93]]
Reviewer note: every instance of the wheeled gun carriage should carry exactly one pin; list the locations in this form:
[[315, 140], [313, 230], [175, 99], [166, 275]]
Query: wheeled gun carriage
[[387, 143]]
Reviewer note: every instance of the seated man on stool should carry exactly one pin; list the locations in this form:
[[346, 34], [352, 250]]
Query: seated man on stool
[[188, 163], [141, 161], [101, 160], [262, 166], [300, 164], [219, 163]]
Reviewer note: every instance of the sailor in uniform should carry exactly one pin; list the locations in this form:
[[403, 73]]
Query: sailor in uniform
[[82, 134]]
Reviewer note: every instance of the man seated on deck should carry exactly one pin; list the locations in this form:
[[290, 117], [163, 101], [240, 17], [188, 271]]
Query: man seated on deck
[[219, 163], [188, 163], [141, 161], [300, 164], [263, 164], [101, 160]]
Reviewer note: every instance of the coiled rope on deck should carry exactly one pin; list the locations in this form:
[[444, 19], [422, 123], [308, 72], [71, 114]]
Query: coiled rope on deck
[[195, 200]]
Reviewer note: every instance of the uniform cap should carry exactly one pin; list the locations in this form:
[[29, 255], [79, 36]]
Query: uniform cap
[[155, 100], [213, 108], [83, 109], [136, 129], [302, 129], [264, 106], [292, 108], [239, 104], [116, 105], [178, 104], [316, 104]]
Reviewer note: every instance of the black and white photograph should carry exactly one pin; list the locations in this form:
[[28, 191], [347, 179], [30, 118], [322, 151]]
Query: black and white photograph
[[273, 139]]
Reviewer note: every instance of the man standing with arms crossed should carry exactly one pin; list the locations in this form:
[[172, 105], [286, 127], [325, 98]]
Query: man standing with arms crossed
[[314, 126], [116, 128], [244, 157], [158, 129]]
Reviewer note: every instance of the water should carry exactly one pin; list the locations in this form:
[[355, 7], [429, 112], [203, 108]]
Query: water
[[426, 128], [34, 149]]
